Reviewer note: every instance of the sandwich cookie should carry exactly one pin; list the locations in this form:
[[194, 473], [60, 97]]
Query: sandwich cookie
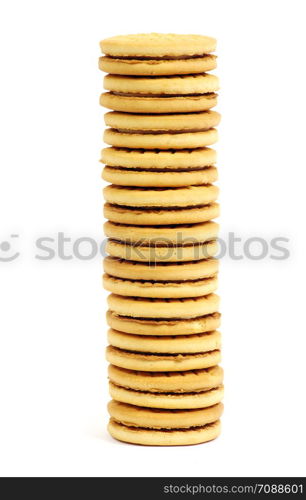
[[169, 94], [164, 437], [168, 140], [161, 327], [174, 382], [169, 390], [160, 289], [136, 416], [188, 122], [163, 308], [161, 253], [200, 342], [167, 400], [135, 167], [142, 216], [157, 54], [183, 234], [157, 362], [161, 271]]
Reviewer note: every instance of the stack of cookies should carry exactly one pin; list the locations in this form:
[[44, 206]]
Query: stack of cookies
[[163, 314]]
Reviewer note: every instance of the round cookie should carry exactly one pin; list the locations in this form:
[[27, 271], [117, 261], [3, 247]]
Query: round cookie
[[171, 104], [161, 253], [148, 178], [167, 400], [163, 308], [161, 123], [151, 437], [160, 216], [161, 197], [158, 66], [200, 342], [157, 45], [161, 271], [186, 85], [149, 362], [160, 289], [163, 235], [159, 160], [171, 140], [176, 382], [135, 416], [160, 327]]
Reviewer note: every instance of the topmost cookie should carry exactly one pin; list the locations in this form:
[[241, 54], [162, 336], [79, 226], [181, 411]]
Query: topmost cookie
[[157, 45]]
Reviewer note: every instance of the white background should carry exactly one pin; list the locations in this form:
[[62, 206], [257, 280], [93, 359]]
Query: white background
[[52, 369]]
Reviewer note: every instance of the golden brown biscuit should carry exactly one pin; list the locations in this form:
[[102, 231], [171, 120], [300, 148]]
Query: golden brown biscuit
[[161, 271], [153, 178], [142, 326], [157, 45], [182, 140], [175, 382], [162, 85], [188, 234], [160, 289], [173, 437], [158, 66], [167, 400], [170, 104], [200, 342], [159, 160], [163, 308], [156, 362], [161, 253], [162, 123], [186, 196], [136, 416], [160, 216]]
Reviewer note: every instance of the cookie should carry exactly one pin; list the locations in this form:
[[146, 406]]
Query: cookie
[[161, 271], [168, 140], [160, 289], [148, 178], [184, 234], [167, 400], [161, 253], [157, 45], [136, 416], [161, 327], [159, 160], [171, 94], [200, 342], [160, 216], [170, 104], [188, 122], [163, 308], [174, 382], [160, 86], [157, 66], [164, 437], [186, 196], [154, 362]]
